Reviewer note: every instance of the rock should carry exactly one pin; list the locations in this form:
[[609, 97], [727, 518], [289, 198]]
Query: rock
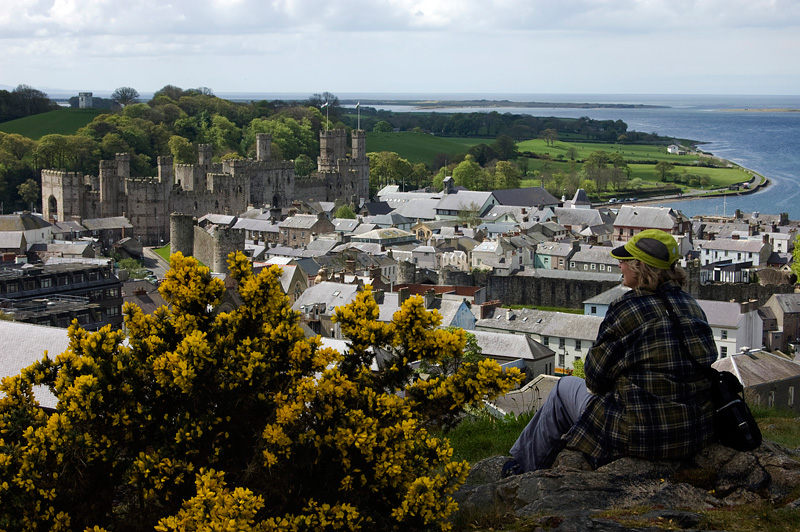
[[573, 491]]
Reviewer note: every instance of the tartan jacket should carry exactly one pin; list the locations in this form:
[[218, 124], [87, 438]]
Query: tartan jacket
[[649, 400]]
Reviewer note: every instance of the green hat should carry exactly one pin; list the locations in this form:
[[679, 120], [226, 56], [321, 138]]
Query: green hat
[[653, 247]]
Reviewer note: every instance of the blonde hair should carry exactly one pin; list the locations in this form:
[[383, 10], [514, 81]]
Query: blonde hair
[[650, 277]]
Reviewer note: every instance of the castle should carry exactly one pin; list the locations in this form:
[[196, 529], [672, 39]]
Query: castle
[[230, 187]]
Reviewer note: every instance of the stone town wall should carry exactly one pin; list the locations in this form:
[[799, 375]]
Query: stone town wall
[[213, 246]]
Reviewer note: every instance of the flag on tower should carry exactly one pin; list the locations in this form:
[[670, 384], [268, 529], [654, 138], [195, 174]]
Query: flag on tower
[[324, 105]]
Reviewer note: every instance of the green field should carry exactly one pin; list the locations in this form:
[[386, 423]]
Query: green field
[[630, 152], [61, 121], [420, 147]]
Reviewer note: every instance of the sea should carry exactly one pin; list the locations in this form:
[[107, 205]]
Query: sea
[[753, 131]]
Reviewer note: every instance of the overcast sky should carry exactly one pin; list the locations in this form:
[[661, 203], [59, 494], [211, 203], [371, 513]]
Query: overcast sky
[[404, 46]]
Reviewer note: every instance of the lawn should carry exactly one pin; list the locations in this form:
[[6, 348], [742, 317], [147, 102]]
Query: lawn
[[630, 152], [64, 121], [420, 147]]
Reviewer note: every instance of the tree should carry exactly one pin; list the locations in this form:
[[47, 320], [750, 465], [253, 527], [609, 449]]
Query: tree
[[387, 167], [468, 173], [383, 127], [182, 150], [234, 420], [505, 148], [304, 166], [572, 153], [482, 154], [125, 96], [663, 169], [30, 192], [506, 175], [550, 136], [345, 211]]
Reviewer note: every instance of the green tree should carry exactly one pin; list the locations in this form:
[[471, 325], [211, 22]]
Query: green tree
[[572, 153], [51, 151], [17, 145], [663, 169], [383, 127], [506, 175], [505, 148], [134, 267], [30, 192], [125, 96], [468, 173], [345, 211], [387, 167], [182, 150], [550, 136], [304, 166], [201, 420]]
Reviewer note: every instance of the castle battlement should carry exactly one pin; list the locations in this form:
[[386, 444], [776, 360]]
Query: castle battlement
[[227, 187]]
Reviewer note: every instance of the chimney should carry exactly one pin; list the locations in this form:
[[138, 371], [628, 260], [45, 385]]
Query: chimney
[[765, 239], [734, 237], [430, 296], [402, 295]]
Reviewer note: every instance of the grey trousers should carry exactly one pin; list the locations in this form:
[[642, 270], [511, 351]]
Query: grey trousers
[[540, 441]]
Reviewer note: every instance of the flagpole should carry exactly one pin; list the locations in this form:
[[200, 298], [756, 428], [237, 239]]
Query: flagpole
[[358, 110]]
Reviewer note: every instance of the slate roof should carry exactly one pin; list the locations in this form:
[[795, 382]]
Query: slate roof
[[580, 217], [463, 200], [531, 321], [596, 254], [330, 293], [300, 221], [758, 367], [525, 197], [142, 293], [22, 344], [418, 208], [504, 346], [789, 303], [111, 223], [663, 218], [256, 224], [11, 239], [609, 296], [721, 313], [729, 244], [22, 222]]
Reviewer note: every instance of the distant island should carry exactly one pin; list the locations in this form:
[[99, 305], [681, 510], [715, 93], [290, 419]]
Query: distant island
[[445, 104], [761, 110]]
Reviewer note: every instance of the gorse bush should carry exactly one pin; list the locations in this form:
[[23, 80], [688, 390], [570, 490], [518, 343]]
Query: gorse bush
[[236, 421]]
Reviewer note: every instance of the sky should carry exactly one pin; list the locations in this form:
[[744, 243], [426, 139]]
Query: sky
[[404, 46]]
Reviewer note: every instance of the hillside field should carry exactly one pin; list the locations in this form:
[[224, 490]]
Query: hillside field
[[64, 121], [420, 147]]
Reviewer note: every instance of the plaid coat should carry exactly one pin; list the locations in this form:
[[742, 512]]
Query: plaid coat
[[649, 401]]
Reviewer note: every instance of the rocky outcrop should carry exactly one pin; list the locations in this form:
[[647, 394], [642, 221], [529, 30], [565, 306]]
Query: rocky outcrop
[[573, 493]]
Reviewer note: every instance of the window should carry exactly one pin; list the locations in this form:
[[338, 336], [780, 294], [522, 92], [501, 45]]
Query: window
[[561, 343], [771, 399], [723, 351], [561, 360], [545, 340], [602, 267], [12, 288], [46, 282], [572, 265], [594, 310], [577, 345], [594, 266], [724, 334], [112, 311], [791, 396]]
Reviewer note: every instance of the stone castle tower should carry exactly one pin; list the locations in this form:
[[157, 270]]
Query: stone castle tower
[[230, 187]]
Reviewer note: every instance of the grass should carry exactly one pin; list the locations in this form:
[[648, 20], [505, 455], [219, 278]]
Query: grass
[[481, 436], [64, 121], [420, 147], [163, 252]]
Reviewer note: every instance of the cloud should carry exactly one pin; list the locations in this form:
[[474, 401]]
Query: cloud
[[508, 45]]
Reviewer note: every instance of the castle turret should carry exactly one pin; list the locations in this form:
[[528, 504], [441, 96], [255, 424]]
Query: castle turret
[[181, 233], [263, 146], [332, 148]]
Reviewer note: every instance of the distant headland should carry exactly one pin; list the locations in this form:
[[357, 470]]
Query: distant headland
[[460, 104]]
